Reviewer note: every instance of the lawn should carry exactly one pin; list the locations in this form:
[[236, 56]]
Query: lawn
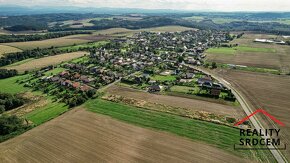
[[163, 78], [44, 114], [182, 89], [9, 85], [220, 136], [54, 71]]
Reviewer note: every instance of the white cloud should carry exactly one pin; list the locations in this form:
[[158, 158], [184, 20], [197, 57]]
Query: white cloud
[[218, 5]]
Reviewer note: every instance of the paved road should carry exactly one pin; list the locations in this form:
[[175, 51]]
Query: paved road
[[276, 153]]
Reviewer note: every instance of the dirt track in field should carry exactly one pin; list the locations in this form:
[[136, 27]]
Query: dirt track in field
[[266, 91], [175, 101], [82, 136]]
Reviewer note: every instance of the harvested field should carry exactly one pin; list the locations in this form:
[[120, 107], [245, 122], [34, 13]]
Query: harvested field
[[254, 54], [175, 101], [124, 31], [270, 92], [8, 49], [57, 42], [82, 136], [46, 61]]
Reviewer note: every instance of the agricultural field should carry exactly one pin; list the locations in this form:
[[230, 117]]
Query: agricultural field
[[86, 136], [57, 42], [46, 61], [193, 129], [252, 54], [270, 92], [76, 23], [8, 49], [175, 101], [129, 32]]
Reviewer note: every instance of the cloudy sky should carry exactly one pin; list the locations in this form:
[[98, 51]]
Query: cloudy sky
[[211, 5]]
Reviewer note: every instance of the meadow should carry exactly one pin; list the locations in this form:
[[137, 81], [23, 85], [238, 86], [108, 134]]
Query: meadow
[[10, 85]]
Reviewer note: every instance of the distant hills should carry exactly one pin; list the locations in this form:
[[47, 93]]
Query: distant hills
[[8, 10]]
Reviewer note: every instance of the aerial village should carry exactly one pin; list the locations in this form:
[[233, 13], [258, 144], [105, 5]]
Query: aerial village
[[153, 62]]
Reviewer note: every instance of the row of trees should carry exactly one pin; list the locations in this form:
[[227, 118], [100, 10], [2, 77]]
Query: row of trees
[[9, 102], [4, 73], [37, 37], [11, 125]]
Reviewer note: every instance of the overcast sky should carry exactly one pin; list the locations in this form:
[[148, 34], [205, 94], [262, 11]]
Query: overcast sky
[[210, 5]]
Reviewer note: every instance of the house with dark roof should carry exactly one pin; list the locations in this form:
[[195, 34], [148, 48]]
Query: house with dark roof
[[154, 88]]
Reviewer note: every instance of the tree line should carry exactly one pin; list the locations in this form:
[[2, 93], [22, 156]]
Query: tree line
[[10, 101], [37, 37], [4, 73]]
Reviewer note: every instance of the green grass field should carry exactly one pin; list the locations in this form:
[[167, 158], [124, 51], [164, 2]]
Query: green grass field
[[87, 45], [54, 71], [234, 50], [50, 111], [163, 78], [9, 85], [220, 136], [181, 89]]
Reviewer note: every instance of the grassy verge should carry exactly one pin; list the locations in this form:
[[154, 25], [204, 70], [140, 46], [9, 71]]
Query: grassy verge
[[219, 136]]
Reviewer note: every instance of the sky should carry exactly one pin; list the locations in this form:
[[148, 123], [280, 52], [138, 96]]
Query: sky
[[194, 5]]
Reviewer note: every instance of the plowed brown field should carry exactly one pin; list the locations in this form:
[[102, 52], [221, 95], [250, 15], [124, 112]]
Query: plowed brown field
[[82, 136], [266, 91]]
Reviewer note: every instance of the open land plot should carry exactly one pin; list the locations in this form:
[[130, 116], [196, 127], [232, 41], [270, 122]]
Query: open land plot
[[253, 54], [10, 85], [46, 61], [194, 104], [124, 31], [8, 49], [270, 92], [84, 136], [57, 42]]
